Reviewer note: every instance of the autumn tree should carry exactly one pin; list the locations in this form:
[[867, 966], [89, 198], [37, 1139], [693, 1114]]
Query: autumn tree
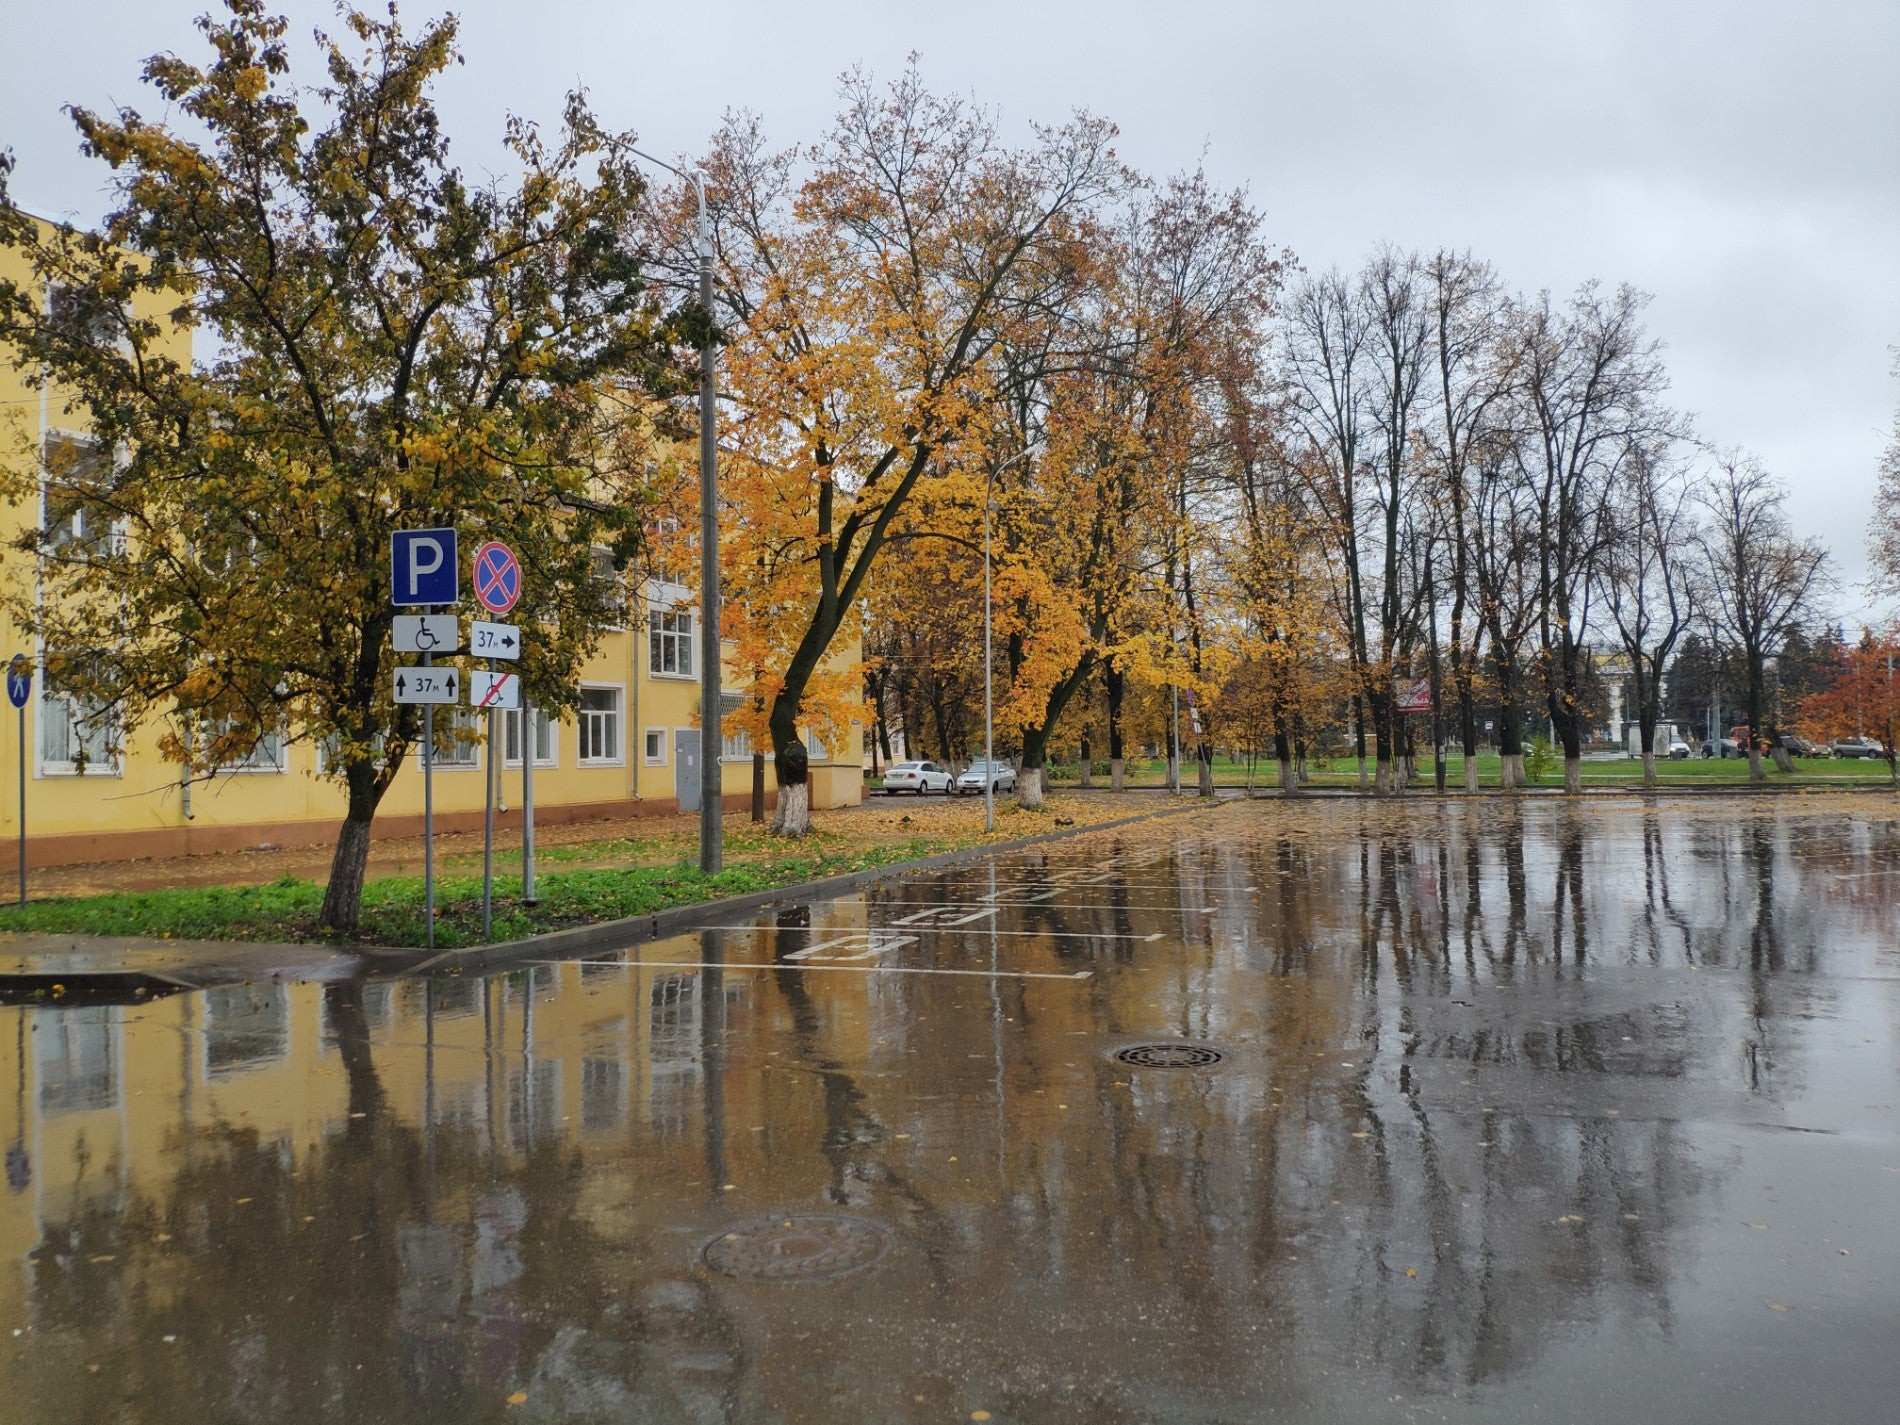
[[1861, 695], [391, 346], [1762, 581], [862, 287]]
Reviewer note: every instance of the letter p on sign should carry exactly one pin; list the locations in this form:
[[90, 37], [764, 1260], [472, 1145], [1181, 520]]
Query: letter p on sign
[[422, 567]]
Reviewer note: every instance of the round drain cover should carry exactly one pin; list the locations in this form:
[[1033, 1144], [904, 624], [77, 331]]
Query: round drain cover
[[1169, 1056], [799, 1247]]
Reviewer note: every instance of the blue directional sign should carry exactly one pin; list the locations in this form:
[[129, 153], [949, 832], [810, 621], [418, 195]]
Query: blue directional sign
[[422, 567], [19, 680]]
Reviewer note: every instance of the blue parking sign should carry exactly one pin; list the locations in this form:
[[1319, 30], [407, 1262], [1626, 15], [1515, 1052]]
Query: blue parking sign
[[422, 567]]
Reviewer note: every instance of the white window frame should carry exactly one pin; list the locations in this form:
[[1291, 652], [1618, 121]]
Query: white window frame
[[280, 762], [582, 716], [49, 704], [603, 562], [511, 718], [459, 717], [647, 734], [686, 649], [733, 749]]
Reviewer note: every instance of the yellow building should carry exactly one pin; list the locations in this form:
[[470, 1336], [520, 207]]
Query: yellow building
[[92, 795]]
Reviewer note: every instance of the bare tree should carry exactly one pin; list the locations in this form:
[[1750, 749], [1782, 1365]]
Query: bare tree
[[1762, 581], [1467, 306], [1587, 378], [1647, 577]]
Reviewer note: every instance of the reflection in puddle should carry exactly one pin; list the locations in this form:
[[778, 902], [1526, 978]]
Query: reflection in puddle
[[1497, 1081]]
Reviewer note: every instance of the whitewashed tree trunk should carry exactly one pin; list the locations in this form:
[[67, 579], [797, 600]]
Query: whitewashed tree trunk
[[1573, 775], [1287, 782], [1471, 774], [1649, 767], [1117, 769], [792, 817], [1755, 770], [1029, 788]]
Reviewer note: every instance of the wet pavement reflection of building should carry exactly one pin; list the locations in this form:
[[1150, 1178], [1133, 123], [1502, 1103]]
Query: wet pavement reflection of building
[[1587, 1111]]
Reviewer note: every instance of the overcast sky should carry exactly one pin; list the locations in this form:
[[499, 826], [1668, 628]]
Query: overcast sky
[[1738, 159]]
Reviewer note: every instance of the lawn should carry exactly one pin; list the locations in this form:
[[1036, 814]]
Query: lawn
[[1622, 772], [577, 882]]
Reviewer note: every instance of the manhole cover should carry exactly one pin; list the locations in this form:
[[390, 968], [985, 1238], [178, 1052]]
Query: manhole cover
[[1169, 1056], [802, 1247]]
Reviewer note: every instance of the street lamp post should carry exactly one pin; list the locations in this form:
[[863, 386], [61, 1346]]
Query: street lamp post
[[989, 716], [711, 789]]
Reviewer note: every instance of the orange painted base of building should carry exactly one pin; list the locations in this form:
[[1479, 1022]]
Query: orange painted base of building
[[155, 843]]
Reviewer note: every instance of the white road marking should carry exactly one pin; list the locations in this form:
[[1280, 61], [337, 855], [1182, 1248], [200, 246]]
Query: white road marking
[[805, 966]]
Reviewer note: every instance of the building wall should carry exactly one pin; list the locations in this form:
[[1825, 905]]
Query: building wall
[[139, 806]]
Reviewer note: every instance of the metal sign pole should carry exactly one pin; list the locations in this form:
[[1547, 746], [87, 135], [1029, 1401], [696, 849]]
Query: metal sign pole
[[527, 804], [22, 712], [488, 828], [428, 813]]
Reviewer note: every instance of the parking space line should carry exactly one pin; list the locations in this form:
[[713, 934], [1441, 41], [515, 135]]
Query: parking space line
[[939, 930], [803, 966]]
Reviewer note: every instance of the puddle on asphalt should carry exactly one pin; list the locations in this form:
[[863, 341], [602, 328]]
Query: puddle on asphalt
[[1494, 1117]]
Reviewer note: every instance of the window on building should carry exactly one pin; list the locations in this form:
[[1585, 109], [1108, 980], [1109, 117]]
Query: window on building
[[600, 725], [656, 747], [738, 747], [78, 472], [670, 643], [77, 733], [610, 585], [458, 734], [250, 752], [815, 746], [543, 735]]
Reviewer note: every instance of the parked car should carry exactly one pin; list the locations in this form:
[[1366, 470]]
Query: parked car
[[1858, 747], [978, 774], [918, 777], [1796, 745], [1678, 749], [1727, 747]]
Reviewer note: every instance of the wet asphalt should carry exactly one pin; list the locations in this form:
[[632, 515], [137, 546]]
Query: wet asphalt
[[1483, 1111]]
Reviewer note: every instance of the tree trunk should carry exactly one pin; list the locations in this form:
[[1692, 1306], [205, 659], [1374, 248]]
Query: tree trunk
[[1756, 772], [1083, 769], [1783, 760], [1471, 771], [1117, 770], [1206, 759], [1029, 788], [1029, 783], [1287, 782], [758, 781], [343, 896], [1112, 679], [1573, 775], [792, 763], [1359, 735], [1649, 767]]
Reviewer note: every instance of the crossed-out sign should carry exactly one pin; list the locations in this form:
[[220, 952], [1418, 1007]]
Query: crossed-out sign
[[497, 577]]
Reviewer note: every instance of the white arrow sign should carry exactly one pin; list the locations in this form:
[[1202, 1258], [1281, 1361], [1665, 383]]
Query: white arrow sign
[[425, 633], [494, 640], [493, 690], [426, 685]]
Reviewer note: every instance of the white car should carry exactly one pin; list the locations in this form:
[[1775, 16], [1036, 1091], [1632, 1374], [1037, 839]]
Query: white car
[[974, 778], [918, 777]]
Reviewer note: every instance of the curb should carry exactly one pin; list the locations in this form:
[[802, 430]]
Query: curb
[[635, 930]]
